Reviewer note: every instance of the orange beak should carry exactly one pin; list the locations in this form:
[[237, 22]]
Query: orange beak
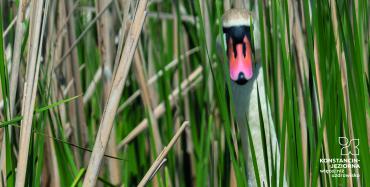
[[240, 61]]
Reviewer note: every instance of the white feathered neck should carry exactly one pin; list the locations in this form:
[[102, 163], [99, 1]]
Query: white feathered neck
[[245, 97]]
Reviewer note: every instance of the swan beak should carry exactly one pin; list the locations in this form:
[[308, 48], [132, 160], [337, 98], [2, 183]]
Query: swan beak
[[240, 60]]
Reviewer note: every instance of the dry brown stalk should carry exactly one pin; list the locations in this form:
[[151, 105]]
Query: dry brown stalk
[[117, 86], [160, 109], [302, 75], [214, 158], [207, 27], [62, 24], [106, 48], [51, 51], [152, 72], [98, 74], [140, 75], [29, 94], [344, 80], [342, 64], [154, 78], [83, 33], [114, 165], [55, 179], [162, 156], [10, 26], [318, 77], [76, 108], [319, 90], [187, 111], [92, 86], [123, 31], [146, 98], [50, 48], [19, 35], [58, 43], [167, 16]]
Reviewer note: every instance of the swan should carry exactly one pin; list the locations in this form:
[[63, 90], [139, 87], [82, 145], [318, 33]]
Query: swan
[[246, 83]]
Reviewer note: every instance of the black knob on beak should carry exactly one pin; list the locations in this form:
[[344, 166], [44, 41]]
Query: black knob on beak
[[241, 79]]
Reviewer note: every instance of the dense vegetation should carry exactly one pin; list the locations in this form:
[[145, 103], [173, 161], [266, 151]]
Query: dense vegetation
[[58, 64]]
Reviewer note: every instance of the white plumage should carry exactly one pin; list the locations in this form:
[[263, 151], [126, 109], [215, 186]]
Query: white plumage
[[245, 102]]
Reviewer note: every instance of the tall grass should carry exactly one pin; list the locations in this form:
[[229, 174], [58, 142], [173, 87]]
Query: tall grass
[[314, 55]]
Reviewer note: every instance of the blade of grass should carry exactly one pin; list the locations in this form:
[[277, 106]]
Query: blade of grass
[[254, 159], [6, 162], [78, 177]]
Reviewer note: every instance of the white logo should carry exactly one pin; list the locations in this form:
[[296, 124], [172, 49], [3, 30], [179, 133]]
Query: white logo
[[345, 143]]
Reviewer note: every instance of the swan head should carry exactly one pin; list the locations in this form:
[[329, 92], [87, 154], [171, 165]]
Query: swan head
[[236, 24]]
